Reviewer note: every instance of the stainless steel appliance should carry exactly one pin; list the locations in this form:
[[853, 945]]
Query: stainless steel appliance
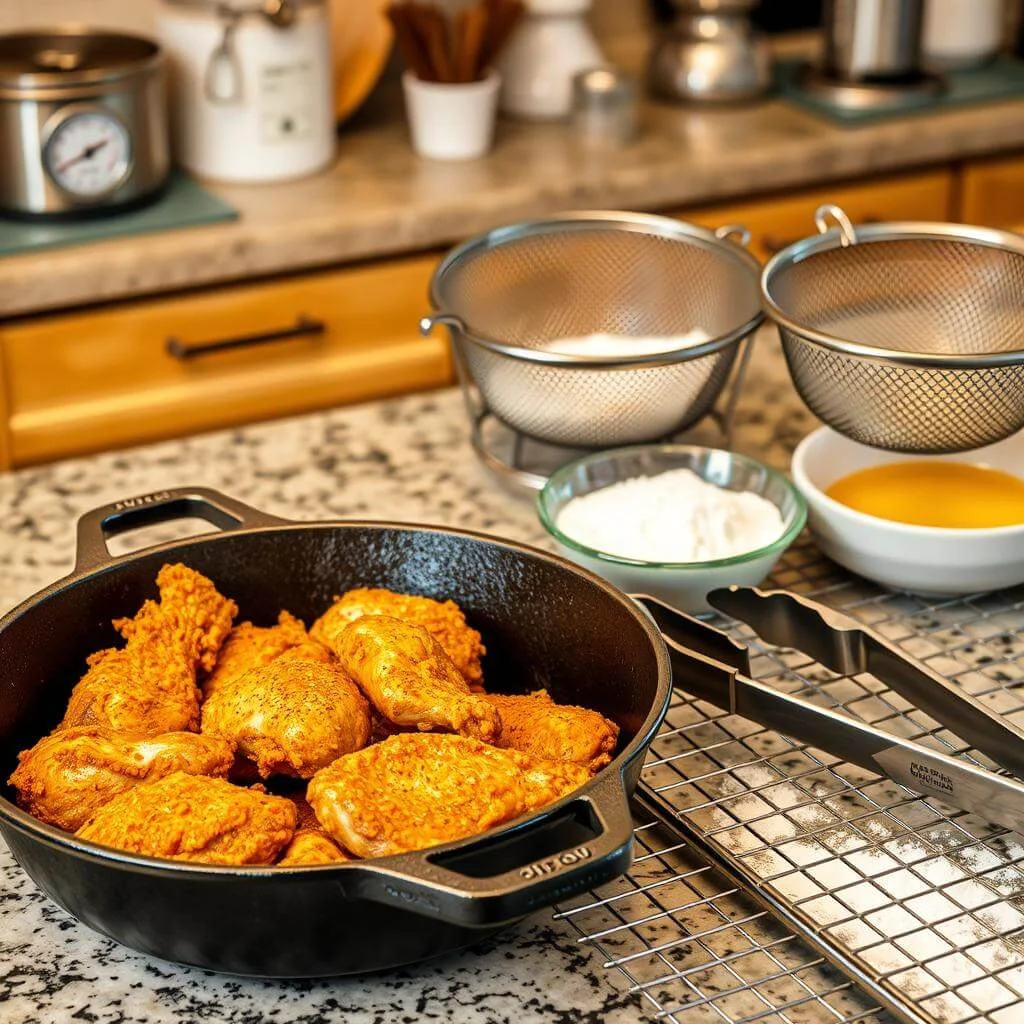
[[872, 55], [872, 38], [710, 53], [83, 122]]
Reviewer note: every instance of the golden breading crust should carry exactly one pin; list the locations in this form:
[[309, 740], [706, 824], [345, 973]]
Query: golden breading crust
[[248, 646], [444, 621], [71, 773], [538, 726], [188, 817], [414, 790], [410, 680], [291, 717], [148, 687]]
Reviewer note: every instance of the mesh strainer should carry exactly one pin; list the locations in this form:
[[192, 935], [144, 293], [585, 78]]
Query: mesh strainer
[[904, 336], [509, 293]]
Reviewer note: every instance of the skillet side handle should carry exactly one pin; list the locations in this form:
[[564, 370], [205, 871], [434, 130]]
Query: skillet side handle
[[462, 887], [95, 528]]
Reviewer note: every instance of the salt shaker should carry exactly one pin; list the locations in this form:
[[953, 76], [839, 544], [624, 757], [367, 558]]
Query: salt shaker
[[604, 107]]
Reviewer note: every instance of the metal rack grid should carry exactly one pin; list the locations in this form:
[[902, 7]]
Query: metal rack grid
[[784, 859]]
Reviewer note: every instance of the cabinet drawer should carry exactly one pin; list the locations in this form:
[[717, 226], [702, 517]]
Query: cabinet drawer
[[992, 192], [166, 367], [775, 222]]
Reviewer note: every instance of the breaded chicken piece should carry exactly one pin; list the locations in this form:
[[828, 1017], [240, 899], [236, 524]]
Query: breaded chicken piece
[[442, 619], [249, 646], [194, 818], [292, 716], [311, 845], [309, 848], [538, 726], [410, 680], [71, 773], [413, 791], [148, 687]]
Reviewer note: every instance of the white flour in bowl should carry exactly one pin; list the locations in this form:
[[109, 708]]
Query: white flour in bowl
[[614, 346], [672, 517]]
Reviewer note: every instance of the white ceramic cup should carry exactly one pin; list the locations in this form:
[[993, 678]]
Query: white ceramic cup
[[451, 121]]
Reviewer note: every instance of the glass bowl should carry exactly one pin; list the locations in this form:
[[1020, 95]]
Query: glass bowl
[[684, 585]]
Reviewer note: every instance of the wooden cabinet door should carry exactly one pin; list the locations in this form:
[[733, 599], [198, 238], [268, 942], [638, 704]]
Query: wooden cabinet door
[[777, 221], [992, 193], [160, 368]]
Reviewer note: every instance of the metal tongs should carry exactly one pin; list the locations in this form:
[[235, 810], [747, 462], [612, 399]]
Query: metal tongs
[[710, 665]]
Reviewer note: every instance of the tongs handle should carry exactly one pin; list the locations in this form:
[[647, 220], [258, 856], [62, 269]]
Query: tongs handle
[[697, 670], [844, 645]]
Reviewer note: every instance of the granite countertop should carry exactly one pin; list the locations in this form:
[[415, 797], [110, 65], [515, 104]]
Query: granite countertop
[[408, 460], [379, 199]]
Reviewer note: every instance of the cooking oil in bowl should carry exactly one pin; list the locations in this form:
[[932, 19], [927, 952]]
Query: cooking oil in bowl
[[947, 494]]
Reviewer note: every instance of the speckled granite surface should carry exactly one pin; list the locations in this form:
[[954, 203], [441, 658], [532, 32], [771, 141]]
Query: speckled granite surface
[[407, 460]]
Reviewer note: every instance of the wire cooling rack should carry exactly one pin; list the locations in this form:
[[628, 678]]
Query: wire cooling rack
[[783, 864]]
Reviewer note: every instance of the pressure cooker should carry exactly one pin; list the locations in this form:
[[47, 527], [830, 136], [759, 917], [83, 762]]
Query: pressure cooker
[[83, 122]]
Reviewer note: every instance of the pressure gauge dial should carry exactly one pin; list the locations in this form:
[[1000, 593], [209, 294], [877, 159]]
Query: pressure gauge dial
[[88, 154]]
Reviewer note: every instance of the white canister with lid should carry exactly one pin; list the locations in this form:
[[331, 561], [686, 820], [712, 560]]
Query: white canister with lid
[[548, 48], [251, 87]]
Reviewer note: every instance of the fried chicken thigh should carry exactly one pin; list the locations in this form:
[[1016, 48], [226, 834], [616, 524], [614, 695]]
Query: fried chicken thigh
[[72, 773], [311, 845], [148, 687], [410, 680], [538, 726], [443, 620], [413, 791], [292, 716], [249, 646], [189, 817]]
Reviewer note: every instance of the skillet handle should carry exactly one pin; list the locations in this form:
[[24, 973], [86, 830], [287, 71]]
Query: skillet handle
[[95, 528], [499, 879]]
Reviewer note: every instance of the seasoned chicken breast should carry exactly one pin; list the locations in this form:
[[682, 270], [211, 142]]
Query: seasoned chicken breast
[[248, 646], [290, 717], [189, 817], [68, 775], [538, 726], [414, 790]]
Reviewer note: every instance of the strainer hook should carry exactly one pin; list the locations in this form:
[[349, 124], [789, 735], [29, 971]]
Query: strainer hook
[[735, 233], [449, 320], [847, 236]]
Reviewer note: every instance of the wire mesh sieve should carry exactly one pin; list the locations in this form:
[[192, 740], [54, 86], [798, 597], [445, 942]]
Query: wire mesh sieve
[[905, 336], [508, 295]]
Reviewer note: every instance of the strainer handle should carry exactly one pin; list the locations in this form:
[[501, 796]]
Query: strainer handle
[[450, 320], [736, 233], [847, 236]]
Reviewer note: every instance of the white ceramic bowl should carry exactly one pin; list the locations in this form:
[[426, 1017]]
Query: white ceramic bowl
[[922, 559], [684, 585]]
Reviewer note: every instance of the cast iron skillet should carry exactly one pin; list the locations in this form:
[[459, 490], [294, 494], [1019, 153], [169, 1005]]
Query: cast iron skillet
[[545, 623]]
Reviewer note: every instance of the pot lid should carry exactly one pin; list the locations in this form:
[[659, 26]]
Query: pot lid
[[70, 57]]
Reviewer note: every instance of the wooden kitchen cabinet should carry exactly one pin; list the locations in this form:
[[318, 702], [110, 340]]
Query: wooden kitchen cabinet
[[147, 370], [778, 221], [992, 192]]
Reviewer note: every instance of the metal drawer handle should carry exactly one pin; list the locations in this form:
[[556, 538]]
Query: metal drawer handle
[[304, 326]]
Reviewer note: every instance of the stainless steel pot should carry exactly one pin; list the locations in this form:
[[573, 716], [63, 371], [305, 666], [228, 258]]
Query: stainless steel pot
[[872, 39], [83, 122], [710, 54]]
